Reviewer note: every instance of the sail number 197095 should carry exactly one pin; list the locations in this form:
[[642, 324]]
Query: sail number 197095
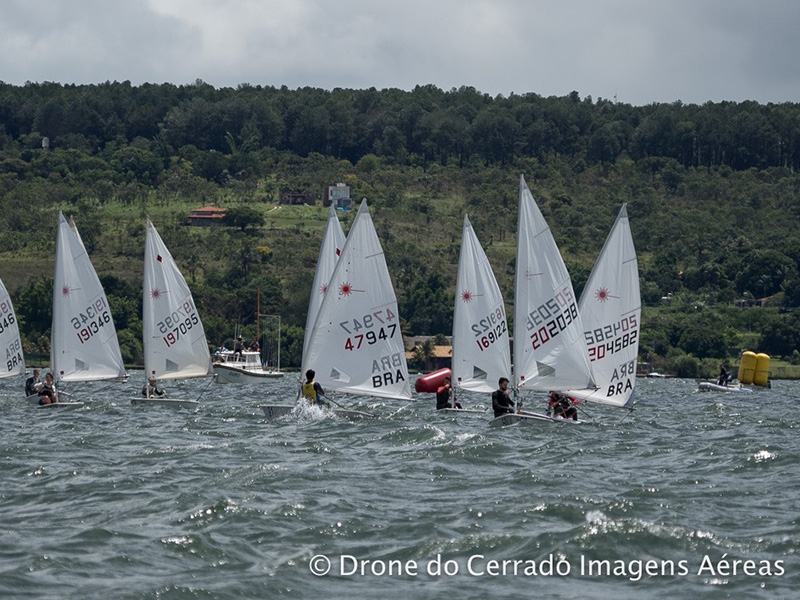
[[178, 323]]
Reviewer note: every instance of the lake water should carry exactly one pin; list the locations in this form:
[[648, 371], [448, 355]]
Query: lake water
[[693, 495]]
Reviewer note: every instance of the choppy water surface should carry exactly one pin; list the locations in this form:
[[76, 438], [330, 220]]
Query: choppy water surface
[[694, 495]]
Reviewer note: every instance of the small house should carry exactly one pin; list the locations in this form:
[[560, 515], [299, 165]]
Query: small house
[[337, 195], [206, 216]]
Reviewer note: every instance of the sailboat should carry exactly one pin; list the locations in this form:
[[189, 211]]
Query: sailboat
[[480, 332], [610, 309], [356, 346], [83, 344], [550, 351], [9, 337], [175, 344], [333, 240], [330, 249]]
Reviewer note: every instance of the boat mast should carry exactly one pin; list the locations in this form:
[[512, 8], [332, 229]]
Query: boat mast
[[279, 336]]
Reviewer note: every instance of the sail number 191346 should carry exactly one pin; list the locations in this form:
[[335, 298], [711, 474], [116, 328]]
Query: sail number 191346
[[89, 321], [7, 319]]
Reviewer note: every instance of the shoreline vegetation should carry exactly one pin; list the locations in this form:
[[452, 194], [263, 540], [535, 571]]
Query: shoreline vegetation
[[700, 182]]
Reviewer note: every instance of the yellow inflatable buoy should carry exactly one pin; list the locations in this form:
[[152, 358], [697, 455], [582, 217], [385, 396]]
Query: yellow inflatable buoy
[[747, 367], [761, 376]]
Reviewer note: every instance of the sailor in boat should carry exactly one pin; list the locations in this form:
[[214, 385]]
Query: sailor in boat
[[444, 393], [47, 393], [312, 391], [33, 384], [724, 376], [501, 399], [561, 405], [255, 346], [151, 389]]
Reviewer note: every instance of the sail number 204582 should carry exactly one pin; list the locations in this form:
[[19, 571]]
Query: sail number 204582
[[611, 339]]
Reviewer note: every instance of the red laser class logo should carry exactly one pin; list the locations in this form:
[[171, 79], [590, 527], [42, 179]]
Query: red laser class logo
[[602, 294]]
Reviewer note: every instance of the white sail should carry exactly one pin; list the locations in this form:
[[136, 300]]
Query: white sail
[[610, 309], [175, 344], [9, 337], [481, 352], [356, 345], [550, 351], [329, 252], [83, 345]]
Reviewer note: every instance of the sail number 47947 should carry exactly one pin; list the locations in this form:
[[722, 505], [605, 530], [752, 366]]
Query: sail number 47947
[[378, 324]]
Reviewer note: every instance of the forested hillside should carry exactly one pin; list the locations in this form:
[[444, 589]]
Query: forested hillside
[[712, 194]]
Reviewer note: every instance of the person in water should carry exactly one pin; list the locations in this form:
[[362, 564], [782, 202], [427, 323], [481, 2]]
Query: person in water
[[561, 405], [312, 391], [501, 399], [444, 394]]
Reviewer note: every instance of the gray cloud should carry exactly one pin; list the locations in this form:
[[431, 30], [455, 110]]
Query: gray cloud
[[640, 52]]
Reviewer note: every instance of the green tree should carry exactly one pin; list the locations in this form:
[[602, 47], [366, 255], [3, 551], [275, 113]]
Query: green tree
[[244, 217]]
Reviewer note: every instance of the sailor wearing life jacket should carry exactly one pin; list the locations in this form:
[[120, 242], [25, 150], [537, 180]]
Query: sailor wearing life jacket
[[561, 405], [312, 391]]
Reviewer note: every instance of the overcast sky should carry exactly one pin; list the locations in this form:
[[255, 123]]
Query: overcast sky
[[639, 51]]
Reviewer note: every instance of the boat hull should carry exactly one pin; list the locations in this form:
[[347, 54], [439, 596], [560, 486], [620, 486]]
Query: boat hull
[[707, 386], [61, 405], [66, 399], [448, 411], [526, 418], [228, 374]]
